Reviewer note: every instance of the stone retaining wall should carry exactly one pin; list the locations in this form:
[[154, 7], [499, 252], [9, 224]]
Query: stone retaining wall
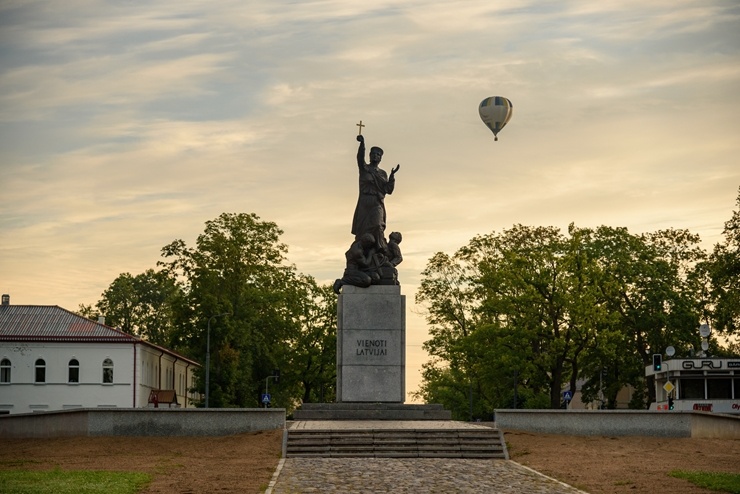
[[142, 422], [621, 423]]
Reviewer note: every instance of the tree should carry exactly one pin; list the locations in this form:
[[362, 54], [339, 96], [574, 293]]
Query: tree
[[518, 316], [238, 267], [505, 313], [311, 352], [536, 283], [142, 305], [446, 290], [269, 316], [87, 311], [645, 282], [118, 302], [722, 270]]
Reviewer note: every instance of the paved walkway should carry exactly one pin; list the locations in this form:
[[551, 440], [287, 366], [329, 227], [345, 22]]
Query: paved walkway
[[406, 475]]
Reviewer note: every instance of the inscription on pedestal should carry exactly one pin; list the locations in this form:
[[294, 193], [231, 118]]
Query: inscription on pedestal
[[376, 348], [371, 345], [366, 347]]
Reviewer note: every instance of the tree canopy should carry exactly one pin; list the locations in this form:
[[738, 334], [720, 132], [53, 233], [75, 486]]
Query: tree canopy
[[517, 316], [270, 316]]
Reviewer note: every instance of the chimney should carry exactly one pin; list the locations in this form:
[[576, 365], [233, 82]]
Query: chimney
[[101, 319], [6, 299]]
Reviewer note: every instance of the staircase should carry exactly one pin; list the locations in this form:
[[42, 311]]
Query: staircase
[[483, 442]]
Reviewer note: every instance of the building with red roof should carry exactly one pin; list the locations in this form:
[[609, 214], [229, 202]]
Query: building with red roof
[[54, 359]]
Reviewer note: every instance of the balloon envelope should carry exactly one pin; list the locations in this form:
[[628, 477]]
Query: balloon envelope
[[495, 112]]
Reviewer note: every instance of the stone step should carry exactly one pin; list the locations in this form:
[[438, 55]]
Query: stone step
[[373, 406], [371, 411], [398, 432], [397, 443], [400, 439], [381, 454]]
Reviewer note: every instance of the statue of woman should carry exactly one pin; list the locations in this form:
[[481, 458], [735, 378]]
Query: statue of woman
[[374, 185]]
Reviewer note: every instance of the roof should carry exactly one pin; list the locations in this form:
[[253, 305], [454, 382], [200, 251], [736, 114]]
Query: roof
[[51, 323]]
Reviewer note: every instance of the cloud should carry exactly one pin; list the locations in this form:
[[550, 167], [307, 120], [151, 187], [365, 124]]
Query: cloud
[[124, 126]]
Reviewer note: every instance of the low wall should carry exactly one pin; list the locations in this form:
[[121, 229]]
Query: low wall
[[715, 425], [621, 423], [142, 422]]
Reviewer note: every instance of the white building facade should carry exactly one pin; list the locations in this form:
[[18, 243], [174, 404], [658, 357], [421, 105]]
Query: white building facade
[[54, 359], [701, 384]]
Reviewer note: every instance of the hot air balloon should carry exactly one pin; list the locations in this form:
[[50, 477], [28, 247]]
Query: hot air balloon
[[495, 112]]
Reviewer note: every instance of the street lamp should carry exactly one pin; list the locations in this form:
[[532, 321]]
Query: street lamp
[[208, 354]]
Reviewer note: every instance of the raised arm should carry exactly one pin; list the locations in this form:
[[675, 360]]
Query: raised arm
[[361, 151], [391, 185]]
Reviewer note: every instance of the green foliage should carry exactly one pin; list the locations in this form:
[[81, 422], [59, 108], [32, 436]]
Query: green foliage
[[71, 482], [87, 311], [275, 317], [722, 276], [516, 317], [646, 287], [312, 351], [715, 481], [238, 267], [142, 305]]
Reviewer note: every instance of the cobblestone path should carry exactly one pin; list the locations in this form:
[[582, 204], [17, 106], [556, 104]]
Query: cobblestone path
[[410, 475]]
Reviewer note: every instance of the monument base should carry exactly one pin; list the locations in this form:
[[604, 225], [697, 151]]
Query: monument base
[[371, 344], [370, 411]]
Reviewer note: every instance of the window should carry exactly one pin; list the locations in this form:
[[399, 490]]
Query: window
[[5, 371], [719, 389], [74, 371], [692, 389], [107, 371], [40, 371]]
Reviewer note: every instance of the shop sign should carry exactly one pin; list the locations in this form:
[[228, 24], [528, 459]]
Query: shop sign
[[701, 364]]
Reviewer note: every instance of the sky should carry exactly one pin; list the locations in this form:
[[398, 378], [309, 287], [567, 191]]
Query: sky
[[125, 125]]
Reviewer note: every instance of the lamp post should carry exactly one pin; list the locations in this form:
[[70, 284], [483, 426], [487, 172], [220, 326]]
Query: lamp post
[[208, 354]]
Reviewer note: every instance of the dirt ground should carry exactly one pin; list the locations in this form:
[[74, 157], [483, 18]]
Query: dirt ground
[[245, 463], [242, 463], [617, 465]]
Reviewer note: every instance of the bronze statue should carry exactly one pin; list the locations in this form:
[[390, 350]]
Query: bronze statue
[[394, 251], [369, 214], [361, 267], [370, 259]]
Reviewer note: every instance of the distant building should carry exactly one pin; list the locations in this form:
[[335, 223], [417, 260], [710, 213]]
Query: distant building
[[623, 398], [703, 384], [54, 359]]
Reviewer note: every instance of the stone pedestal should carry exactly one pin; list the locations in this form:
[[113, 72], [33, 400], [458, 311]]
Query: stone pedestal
[[371, 345]]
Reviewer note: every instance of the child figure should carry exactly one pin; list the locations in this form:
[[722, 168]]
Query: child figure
[[394, 251]]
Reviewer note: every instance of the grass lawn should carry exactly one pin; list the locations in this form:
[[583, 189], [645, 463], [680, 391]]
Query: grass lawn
[[71, 482], [721, 482]]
